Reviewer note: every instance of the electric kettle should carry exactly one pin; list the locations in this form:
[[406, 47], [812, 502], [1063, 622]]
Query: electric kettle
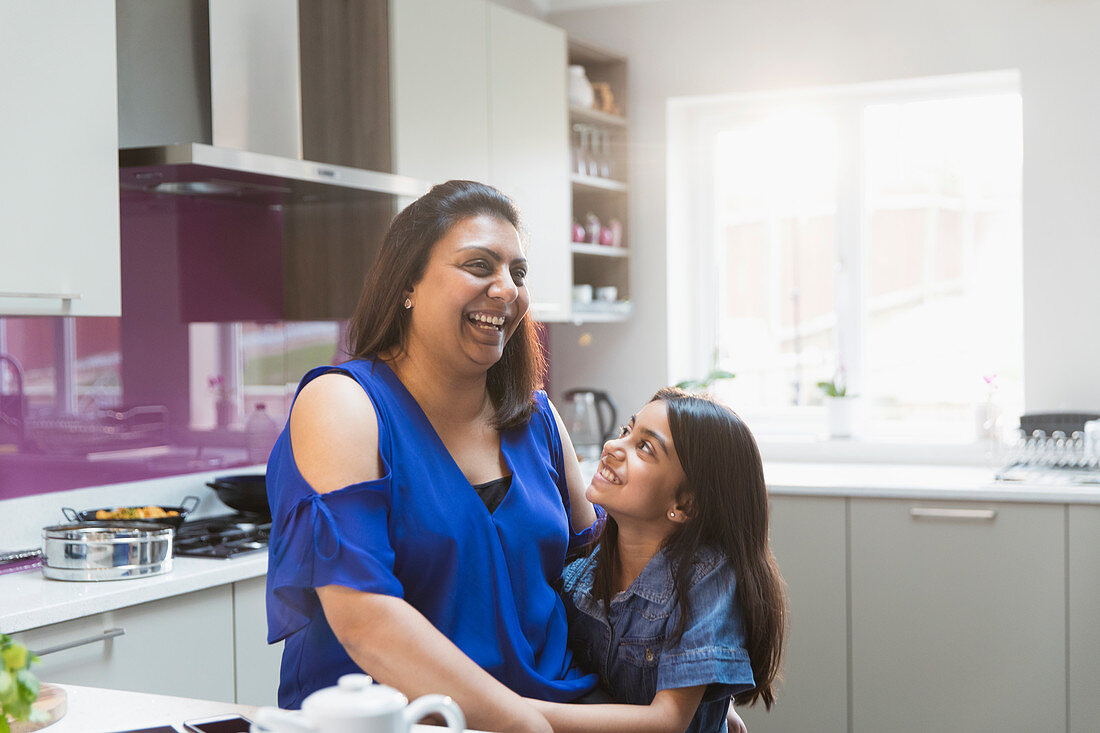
[[591, 417], [357, 705]]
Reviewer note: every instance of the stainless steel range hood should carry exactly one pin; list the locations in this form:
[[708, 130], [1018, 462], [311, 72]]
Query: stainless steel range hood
[[225, 98], [194, 169]]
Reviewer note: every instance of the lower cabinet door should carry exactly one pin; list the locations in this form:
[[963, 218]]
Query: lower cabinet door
[[958, 616], [257, 661], [180, 646], [808, 539], [1084, 618]]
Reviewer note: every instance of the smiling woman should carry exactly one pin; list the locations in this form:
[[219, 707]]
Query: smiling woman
[[424, 494]]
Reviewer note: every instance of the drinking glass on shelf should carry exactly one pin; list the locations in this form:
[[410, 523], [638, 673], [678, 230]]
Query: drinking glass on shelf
[[605, 153], [586, 163]]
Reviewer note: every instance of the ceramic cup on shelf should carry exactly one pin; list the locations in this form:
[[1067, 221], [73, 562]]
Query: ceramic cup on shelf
[[607, 294], [581, 93], [582, 293]]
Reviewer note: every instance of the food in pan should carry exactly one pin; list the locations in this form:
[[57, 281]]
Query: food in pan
[[136, 512]]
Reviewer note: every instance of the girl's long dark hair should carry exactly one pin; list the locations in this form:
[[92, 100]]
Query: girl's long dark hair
[[728, 503], [381, 323]]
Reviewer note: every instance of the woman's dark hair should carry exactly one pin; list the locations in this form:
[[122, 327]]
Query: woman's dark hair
[[728, 511], [381, 323]]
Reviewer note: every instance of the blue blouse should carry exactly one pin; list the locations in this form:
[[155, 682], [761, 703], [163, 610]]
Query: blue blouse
[[631, 650], [421, 532]]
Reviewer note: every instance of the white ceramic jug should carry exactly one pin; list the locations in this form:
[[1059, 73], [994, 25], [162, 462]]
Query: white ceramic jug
[[357, 705]]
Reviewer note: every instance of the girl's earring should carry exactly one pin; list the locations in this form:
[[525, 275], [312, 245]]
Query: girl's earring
[[408, 303], [672, 515]]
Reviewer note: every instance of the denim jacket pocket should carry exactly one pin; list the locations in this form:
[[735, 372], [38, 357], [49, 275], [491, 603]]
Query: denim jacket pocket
[[637, 677]]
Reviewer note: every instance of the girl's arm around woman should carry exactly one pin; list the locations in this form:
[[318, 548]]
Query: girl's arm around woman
[[670, 712]]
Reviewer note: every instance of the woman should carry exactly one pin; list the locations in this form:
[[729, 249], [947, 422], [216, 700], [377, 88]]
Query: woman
[[424, 493]]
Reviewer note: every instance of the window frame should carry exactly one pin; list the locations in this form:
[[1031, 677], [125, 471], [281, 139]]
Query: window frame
[[692, 223]]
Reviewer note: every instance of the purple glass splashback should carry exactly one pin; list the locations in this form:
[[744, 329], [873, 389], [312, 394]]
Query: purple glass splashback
[[169, 387]]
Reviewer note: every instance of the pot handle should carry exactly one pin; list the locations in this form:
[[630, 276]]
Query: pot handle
[[274, 720], [70, 514], [424, 706], [192, 500]]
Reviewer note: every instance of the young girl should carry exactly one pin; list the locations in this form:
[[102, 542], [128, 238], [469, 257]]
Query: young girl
[[680, 605]]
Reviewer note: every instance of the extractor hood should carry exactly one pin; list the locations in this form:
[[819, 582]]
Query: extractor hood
[[194, 169], [264, 101], [254, 155]]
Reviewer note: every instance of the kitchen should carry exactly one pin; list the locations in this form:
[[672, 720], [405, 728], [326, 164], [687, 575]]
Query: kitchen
[[673, 51]]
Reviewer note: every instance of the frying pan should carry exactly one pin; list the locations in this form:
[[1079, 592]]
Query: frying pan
[[243, 492], [186, 507]]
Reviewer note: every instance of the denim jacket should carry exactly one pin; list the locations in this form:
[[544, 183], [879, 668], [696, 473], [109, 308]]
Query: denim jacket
[[632, 651]]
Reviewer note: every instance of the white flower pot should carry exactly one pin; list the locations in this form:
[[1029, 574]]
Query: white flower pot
[[840, 416]]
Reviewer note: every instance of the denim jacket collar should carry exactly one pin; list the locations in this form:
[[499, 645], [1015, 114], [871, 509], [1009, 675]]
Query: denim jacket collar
[[655, 583]]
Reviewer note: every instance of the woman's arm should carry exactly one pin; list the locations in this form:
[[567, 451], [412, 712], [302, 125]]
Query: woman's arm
[[401, 648], [334, 434], [670, 712], [581, 513]]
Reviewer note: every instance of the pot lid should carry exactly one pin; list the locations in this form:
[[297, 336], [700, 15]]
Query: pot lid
[[354, 695]]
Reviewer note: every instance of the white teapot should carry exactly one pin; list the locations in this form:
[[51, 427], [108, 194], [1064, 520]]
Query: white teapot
[[357, 705]]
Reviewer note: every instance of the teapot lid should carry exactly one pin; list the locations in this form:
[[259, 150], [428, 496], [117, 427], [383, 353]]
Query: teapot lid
[[353, 695]]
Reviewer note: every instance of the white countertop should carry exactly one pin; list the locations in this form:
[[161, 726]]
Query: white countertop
[[98, 710], [28, 600], [898, 481]]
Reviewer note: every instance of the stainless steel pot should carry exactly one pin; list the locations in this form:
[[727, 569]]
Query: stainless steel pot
[[105, 550]]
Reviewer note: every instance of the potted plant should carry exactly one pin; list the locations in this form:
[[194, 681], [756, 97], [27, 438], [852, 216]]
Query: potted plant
[[18, 685], [839, 406], [716, 374]]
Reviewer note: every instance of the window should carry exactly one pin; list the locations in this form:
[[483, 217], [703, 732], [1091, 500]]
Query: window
[[867, 232]]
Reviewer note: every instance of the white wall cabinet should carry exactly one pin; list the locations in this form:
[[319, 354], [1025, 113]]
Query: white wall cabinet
[[179, 646], [529, 149], [1084, 618], [808, 539], [439, 98], [957, 616], [478, 92], [59, 213], [257, 662]]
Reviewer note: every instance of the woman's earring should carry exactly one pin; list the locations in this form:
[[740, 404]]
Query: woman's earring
[[672, 515], [408, 303]]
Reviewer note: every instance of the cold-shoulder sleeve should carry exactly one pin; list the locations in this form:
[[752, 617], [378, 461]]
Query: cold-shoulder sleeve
[[338, 538]]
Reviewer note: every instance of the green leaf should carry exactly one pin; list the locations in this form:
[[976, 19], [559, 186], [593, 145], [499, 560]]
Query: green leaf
[[20, 709], [7, 686], [829, 389], [28, 685], [689, 384], [14, 656], [4, 727]]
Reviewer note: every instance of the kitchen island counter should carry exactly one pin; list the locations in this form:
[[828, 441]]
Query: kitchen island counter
[[99, 710]]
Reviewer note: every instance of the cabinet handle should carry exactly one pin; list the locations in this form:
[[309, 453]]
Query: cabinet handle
[[983, 515], [108, 634], [44, 296]]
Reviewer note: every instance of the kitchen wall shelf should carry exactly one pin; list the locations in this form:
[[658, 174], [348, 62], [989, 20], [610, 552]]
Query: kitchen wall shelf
[[599, 250], [600, 140], [595, 117], [598, 184], [601, 312]]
